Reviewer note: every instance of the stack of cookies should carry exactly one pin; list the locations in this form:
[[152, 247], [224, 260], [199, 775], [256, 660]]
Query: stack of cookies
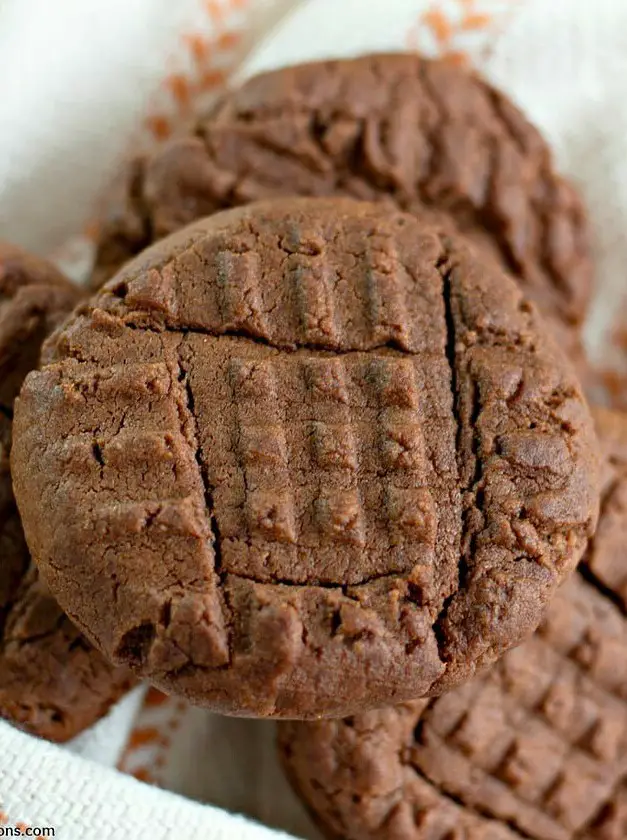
[[316, 448]]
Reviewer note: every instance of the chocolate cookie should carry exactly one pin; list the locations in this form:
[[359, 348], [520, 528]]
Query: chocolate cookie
[[304, 458], [535, 748], [52, 681], [611, 534], [423, 135]]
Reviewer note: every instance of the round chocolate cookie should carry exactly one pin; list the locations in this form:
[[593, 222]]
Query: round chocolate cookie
[[52, 681], [424, 135], [534, 748], [304, 458]]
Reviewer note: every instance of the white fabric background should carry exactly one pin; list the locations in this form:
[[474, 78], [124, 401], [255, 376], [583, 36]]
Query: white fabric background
[[74, 79]]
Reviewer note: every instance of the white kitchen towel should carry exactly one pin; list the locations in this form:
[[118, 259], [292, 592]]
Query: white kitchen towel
[[82, 81], [66, 793]]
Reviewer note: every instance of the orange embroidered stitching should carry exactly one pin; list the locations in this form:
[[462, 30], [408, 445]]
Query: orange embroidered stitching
[[447, 25]]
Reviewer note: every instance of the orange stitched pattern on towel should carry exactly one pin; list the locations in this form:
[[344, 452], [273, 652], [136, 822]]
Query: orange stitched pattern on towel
[[460, 30], [200, 65], [211, 56], [147, 748]]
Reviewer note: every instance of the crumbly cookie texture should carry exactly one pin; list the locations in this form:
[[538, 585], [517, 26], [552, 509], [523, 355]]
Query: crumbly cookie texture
[[419, 134], [534, 748], [52, 681], [304, 458], [611, 534]]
